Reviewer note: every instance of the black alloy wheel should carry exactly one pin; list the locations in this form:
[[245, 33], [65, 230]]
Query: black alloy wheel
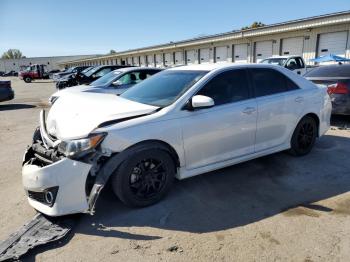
[[144, 178], [304, 136], [148, 178]]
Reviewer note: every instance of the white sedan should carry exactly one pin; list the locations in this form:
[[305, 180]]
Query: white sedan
[[179, 123]]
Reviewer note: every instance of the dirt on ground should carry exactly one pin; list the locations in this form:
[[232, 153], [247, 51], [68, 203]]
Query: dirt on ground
[[275, 208]]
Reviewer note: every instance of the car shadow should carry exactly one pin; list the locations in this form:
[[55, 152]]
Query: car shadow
[[236, 196], [7, 107], [340, 121], [231, 197]]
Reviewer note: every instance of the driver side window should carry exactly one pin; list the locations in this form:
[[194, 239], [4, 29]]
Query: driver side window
[[227, 87]]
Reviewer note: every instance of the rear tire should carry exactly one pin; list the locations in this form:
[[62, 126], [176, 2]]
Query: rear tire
[[27, 79], [304, 137], [145, 178]]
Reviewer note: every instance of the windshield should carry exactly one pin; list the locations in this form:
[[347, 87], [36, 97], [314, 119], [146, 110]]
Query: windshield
[[87, 69], [163, 88], [93, 70], [274, 61], [70, 70], [107, 78]]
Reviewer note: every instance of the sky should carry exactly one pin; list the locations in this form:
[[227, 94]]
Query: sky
[[79, 27]]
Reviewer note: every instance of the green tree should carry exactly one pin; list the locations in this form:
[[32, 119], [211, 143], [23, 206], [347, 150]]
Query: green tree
[[253, 25], [12, 54], [112, 52]]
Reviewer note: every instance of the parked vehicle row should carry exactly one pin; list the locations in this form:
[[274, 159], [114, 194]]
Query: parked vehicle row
[[80, 78], [71, 70], [180, 122], [9, 73], [115, 82]]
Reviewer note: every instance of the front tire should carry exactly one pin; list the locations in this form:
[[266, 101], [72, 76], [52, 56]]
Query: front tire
[[304, 136], [27, 79], [144, 178]]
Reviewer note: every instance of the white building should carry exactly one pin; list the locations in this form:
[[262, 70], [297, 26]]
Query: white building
[[308, 37], [50, 62]]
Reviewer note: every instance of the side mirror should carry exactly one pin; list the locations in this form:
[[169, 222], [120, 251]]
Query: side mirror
[[117, 83], [199, 101]]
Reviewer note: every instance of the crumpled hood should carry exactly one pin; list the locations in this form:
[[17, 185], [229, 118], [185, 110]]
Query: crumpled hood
[[78, 114]]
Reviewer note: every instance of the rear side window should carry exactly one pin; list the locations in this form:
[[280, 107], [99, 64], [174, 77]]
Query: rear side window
[[227, 87], [268, 82]]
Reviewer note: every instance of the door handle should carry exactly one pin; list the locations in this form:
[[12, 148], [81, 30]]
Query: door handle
[[249, 110], [299, 99]]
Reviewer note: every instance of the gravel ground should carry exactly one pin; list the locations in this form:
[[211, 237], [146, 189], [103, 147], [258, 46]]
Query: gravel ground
[[276, 208]]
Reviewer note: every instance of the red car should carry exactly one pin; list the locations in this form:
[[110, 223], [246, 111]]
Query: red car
[[33, 72]]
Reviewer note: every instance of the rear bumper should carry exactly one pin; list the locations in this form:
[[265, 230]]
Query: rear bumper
[[66, 176], [6, 96], [340, 104]]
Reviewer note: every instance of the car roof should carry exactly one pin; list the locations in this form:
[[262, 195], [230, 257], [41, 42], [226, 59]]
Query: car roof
[[136, 68], [216, 66], [282, 56]]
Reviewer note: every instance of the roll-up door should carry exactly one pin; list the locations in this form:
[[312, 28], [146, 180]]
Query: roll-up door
[[263, 50], [240, 53], [204, 55], [292, 46]]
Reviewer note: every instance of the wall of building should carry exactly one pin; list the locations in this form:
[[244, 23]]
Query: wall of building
[[50, 62]]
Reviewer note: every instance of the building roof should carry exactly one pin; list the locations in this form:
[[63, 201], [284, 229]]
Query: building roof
[[292, 25]]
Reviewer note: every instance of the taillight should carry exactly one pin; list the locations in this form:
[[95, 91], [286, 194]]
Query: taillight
[[338, 88]]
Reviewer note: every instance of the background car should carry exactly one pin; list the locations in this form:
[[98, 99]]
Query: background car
[[115, 82], [52, 72], [87, 77], [33, 72], [6, 92], [293, 63], [337, 79], [75, 69], [11, 73]]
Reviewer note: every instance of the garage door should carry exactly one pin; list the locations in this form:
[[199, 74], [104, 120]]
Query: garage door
[[292, 46], [179, 58], [204, 55], [221, 54], [150, 60], [136, 60], [263, 50], [332, 43], [142, 60], [168, 59], [240, 53], [159, 60], [190, 57]]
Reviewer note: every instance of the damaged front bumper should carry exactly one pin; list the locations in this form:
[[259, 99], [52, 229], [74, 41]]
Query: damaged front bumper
[[58, 188], [55, 185]]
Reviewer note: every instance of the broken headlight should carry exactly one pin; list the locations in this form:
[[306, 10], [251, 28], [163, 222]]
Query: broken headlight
[[79, 146]]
